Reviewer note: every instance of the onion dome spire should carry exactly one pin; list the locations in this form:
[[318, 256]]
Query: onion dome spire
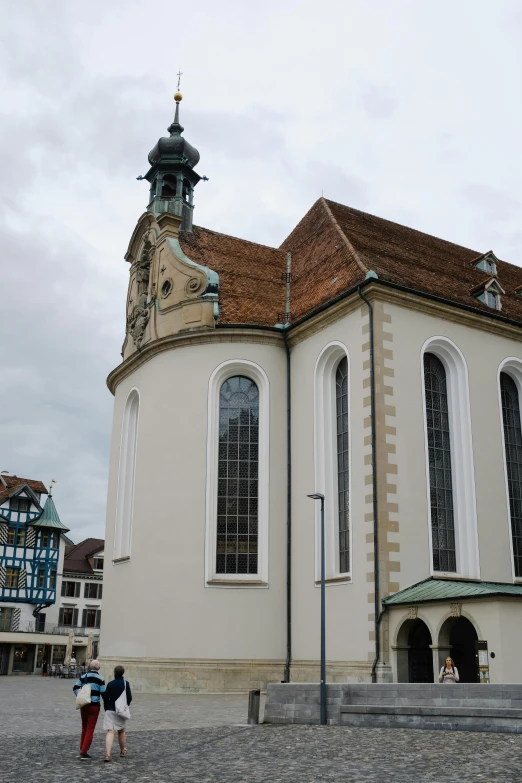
[[172, 176], [175, 146]]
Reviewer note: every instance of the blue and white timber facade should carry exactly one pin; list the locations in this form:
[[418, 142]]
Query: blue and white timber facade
[[32, 548]]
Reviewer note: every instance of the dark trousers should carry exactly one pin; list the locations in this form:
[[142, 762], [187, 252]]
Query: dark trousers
[[89, 719]]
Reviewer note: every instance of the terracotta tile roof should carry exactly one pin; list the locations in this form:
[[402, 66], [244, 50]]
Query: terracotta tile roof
[[75, 559], [425, 263], [332, 249], [13, 482], [324, 261], [251, 289]]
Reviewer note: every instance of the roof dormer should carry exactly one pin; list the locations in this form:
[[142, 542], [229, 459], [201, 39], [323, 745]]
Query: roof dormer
[[487, 263], [489, 293]]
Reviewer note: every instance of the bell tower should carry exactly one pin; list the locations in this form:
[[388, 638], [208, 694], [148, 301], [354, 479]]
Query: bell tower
[[168, 292], [171, 175]]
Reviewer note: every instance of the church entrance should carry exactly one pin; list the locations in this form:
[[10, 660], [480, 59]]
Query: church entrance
[[414, 653], [420, 658], [459, 637]]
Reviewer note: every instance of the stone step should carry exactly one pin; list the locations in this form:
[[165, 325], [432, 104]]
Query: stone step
[[409, 701], [427, 710], [431, 722]]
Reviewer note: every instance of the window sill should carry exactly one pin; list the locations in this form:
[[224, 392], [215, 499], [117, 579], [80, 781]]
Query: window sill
[[121, 559], [236, 583], [453, 577], [334, 580]]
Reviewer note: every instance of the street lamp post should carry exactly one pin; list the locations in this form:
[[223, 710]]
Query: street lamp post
[[322, 717]]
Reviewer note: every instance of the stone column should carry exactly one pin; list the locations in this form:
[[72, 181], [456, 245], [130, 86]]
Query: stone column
[[401, 653]]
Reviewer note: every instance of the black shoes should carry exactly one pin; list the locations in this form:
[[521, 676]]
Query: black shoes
[[84, 756]]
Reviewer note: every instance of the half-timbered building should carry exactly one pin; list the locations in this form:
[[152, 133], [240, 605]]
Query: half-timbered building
[[32, 548]]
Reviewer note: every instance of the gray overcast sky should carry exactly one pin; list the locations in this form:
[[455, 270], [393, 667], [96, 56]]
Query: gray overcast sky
[[409, 110]]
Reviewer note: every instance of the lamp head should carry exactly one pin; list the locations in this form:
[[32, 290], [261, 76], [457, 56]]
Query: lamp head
[[316, 496]]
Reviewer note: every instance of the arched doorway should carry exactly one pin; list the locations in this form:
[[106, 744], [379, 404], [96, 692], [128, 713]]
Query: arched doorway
[[414, 654], [457, 638], [420, 657]]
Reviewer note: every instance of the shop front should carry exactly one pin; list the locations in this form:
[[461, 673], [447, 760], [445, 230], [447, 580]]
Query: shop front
[[31, 653], [23, 658]]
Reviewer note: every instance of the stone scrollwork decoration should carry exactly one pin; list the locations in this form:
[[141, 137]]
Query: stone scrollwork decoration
[[455, 610], [143, 268], [193, 285], [137, 323], [413, 612], [139, 312]]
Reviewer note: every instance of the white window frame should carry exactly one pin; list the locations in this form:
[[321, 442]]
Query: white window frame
[[484, 297], [512, 366], [325, 460], [126, 478], [487, 265], [462, 466], [221, 374]]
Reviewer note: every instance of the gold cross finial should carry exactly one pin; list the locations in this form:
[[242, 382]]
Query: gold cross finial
[[179, 75]]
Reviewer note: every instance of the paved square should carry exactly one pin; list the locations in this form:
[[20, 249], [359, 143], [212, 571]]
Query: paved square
[[204, 739]]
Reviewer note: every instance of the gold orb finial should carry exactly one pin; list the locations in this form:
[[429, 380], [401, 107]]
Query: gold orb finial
[[178, 97]]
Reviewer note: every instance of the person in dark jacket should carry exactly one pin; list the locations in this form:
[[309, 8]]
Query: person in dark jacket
[[90, 712], [112, 721]]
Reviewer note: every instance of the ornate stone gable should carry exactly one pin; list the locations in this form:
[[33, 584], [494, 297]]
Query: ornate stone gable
[[168, 292]]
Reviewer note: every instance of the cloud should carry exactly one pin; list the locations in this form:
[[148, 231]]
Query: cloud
[[378, 101], [283, 101]]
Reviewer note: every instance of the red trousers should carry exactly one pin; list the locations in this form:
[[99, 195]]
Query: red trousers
[[89, 715]]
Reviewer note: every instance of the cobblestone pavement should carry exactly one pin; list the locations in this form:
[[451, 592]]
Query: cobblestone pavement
[[54, 700], [231, 753]]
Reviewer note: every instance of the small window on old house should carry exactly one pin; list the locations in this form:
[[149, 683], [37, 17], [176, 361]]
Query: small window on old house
[[487, 263], [20, 504], [11, 577]]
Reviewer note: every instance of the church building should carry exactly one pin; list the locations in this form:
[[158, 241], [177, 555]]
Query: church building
[[361, 359]]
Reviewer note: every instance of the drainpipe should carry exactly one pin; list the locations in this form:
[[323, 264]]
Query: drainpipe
[[288, 479], [377, 608]]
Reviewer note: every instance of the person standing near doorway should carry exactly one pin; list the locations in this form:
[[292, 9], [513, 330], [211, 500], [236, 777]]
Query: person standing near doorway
[[90, 712], [449, 674]]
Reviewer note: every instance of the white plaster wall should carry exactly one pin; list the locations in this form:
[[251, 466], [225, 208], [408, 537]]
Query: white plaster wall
[[510, 641], [157, 605], [483, 353], [347, 608]]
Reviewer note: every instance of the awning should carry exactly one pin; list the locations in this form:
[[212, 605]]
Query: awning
[[434, 589]]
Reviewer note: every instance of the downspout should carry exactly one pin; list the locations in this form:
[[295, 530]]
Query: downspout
[[377, 609], [288, 661]]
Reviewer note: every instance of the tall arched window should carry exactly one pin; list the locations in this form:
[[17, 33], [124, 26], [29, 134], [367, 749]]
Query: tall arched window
[[126, 473], [343, 476], [513, 449], [439, 460], [237, 495], [332, 459]]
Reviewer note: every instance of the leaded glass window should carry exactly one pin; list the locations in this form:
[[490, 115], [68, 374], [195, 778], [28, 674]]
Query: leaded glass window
[[439, 458], [237, 504], [513, 446], [343, 476]]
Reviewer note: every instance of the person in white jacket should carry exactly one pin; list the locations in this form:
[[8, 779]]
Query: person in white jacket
[[449, 673]]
